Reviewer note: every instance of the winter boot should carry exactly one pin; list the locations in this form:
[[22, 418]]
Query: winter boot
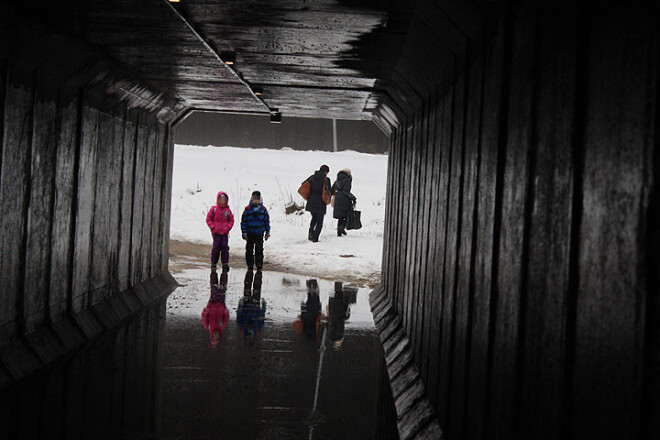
[[310, 237]]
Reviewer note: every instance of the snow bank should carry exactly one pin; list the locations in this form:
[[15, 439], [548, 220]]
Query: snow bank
[[200, 172]]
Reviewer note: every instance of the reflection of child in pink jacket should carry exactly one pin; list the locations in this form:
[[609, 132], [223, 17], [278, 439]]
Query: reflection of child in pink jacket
[[215, 315]]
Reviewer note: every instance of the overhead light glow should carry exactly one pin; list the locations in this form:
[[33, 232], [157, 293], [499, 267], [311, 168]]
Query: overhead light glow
[[175, 1], [229, 58], [276, 118], [258, 91]]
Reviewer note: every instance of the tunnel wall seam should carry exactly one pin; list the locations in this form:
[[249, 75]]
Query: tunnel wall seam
[[415, 415]]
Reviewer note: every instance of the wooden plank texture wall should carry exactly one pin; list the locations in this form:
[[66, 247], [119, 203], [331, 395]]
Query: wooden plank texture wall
[[84, 192], [522, 249]]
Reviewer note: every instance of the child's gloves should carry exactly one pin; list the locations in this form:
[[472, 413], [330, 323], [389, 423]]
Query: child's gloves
[[267, 237], [244, 236]]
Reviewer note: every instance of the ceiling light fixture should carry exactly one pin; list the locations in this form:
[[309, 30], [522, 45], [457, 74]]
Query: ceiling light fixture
[[229, 58], [276, 118], [258, 91]]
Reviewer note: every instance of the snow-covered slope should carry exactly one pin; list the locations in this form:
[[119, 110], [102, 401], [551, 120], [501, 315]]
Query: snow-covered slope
[[200, 172]]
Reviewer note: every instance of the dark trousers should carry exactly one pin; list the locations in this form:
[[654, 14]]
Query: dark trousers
[[220, 246], [254, 250], [316, 225], [341, 225], [252, 285]]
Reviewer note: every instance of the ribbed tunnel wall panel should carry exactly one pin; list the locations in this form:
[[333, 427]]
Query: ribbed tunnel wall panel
[[63, 210], [521, 237], [85, 201]]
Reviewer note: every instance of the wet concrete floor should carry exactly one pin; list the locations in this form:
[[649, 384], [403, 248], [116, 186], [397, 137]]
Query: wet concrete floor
[[298, 358], [250, 355]]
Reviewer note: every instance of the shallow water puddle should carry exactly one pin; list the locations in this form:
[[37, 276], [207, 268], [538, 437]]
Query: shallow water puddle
[[297, 358]]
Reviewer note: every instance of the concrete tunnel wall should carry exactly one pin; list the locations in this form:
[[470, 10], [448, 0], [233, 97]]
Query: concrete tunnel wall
[[521, 247], [85, 180]]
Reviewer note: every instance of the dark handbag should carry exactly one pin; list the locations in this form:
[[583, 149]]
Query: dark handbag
[[353, 219]]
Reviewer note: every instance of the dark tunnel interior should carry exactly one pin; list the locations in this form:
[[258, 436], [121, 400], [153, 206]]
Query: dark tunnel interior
[[520, 287]]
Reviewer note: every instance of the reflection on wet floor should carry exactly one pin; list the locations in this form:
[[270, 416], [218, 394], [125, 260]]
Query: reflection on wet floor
[[109, 390], [242, 355], [295, 358]]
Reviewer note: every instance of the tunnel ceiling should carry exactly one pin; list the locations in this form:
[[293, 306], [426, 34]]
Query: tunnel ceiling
[[321, 58]]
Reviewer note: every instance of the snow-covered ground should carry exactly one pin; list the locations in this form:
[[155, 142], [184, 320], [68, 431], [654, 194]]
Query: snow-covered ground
[[200, 172]]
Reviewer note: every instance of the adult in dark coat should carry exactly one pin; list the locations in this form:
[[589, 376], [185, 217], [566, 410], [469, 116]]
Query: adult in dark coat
[[315, 204], [344, 199]]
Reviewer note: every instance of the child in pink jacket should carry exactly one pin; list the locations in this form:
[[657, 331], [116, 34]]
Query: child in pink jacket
[[220, 220]]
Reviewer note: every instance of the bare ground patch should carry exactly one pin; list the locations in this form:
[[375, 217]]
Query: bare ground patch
[[186, 255]]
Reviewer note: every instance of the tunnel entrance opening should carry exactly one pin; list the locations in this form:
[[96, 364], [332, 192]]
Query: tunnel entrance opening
[[238, 167]]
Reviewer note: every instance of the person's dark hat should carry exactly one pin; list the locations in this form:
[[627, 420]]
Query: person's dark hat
[[256, 193], [325, 168]]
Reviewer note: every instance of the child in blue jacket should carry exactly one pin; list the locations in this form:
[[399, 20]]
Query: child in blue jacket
[[255, 225]]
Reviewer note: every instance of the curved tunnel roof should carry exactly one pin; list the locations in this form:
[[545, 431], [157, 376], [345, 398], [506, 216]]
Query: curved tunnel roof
[[348, 59]]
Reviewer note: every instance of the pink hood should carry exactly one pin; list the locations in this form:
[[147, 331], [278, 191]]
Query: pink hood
[[220, 219]]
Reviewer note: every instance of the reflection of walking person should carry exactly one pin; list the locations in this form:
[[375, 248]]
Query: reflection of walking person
[[311, 316], [317, 201], [255, 222], [215, 315], [344, 199], [338, 312], [220, 220]]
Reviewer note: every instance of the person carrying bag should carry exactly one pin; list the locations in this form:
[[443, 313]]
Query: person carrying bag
[[317, 188], [343, 199]]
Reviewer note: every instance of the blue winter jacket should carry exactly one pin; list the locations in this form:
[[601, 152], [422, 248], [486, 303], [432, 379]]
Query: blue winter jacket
[[255, 220]]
